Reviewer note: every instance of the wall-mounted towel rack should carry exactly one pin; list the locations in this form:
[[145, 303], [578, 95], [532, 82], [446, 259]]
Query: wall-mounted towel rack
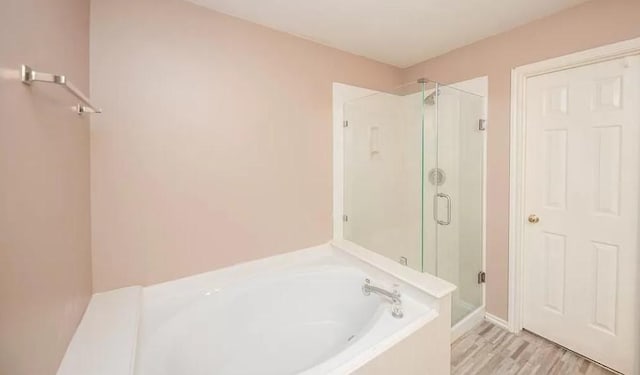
[[29, 76]]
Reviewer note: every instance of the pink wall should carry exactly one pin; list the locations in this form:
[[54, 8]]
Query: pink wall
[[45, 255], [215, 147], [589, 25], [215, 144]]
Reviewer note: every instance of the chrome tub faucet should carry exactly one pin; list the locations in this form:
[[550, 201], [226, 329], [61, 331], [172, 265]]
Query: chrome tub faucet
[[394, 296]]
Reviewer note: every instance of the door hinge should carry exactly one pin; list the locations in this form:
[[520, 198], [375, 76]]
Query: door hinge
[[345, 124], [482, 277], [345, 218], [482, 124]]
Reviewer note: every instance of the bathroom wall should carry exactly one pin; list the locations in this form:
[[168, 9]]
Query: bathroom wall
[[45, 255], [586, 26], [215, 142], [215, 147]]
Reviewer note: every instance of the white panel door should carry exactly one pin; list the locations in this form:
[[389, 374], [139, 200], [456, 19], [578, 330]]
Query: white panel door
[[582, 175]]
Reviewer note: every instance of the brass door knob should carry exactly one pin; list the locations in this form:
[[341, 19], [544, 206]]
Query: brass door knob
[[533, 219]]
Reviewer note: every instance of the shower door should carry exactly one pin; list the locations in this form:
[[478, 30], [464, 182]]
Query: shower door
[[454, 181], [413, 183]]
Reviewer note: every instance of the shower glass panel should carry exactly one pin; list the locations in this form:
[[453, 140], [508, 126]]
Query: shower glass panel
[[383, 173], [413, 182], [455, 183]]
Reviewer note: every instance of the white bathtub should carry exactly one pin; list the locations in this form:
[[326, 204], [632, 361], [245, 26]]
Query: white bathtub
[[298, 313]]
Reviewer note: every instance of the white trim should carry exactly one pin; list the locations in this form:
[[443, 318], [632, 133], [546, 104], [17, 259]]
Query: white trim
[[496, 321], [519, 76]]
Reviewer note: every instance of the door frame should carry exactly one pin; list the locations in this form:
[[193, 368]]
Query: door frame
[[518, 125]]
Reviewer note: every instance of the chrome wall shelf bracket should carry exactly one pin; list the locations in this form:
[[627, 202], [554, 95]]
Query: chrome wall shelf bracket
[[29, 76]]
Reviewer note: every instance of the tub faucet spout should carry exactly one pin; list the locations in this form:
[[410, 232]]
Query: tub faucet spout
[[394, 296]]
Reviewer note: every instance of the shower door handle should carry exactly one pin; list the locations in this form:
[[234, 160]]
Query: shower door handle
[[435, 208]]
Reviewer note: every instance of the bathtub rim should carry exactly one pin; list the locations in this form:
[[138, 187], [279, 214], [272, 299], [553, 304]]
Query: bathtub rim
[[425, 282], [106, 349], [89, 339]]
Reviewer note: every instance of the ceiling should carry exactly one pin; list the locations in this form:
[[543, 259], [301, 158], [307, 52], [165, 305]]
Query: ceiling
[[396, 32]]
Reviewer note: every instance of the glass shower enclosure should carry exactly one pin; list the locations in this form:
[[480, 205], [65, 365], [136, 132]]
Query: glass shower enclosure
[[413, 182]]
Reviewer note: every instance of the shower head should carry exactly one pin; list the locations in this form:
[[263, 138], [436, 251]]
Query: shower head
[[431, 98]]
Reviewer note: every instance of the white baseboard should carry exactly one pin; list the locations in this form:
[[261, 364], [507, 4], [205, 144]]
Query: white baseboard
[[497, 321]]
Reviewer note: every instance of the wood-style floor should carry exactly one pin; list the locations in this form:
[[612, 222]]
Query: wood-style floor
[[489, 350]]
